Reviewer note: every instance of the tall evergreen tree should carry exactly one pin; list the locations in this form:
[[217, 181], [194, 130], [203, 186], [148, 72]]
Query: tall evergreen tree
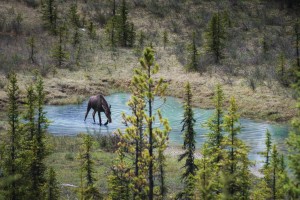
[[26, 143], [88, 189], [73, 15], [189, 143], [49, 15], [293, 143], [151, 90], [215, 37], [206, 175], [32, 48], [236, 163], [39, 148], [123, 24], [215, 141], [51, 188], [215, 126], [267, 153], [59, 54], [193, 55], [11, 152]]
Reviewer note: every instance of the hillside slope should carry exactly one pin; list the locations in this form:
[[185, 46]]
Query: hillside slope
[[258, 33]]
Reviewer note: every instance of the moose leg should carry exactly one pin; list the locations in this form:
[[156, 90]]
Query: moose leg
[[94, 116], [87, 111], [99, 115], [106, 123]]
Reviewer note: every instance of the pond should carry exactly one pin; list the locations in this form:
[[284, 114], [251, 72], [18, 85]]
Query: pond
[[69, 120]]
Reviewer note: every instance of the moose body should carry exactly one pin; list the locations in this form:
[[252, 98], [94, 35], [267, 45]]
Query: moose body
[[98, 104]]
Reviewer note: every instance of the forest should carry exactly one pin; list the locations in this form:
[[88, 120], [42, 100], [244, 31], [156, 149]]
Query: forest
[[202, 99]]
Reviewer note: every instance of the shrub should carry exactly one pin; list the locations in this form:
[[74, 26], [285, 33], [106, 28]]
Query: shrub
[[108, 143], [69, 156]]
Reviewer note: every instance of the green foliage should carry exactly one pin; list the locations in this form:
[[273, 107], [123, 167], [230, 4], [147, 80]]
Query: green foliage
[[188, 144], [214, 125], [188, 191], [193, 61], [267, 152], [59, 54], [87, 188], [32, 48], [49, 15], [38, 146], [123, 24], [11, 167], [293, 143], [52, 188], [215, 37], [73, 16], [131, 35], [92, 30], [142, 38], [111, 32], [281, 70], [189, 133], [207, 175], [236, 174]]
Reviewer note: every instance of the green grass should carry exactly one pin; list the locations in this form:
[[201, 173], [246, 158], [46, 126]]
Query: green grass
[[64, 160]]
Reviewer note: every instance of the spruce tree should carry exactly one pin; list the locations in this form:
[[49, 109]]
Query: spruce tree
[[236, 163], [59, 54], [88, 189], [73, 15], [39, 148], [193, 55], [49, 15], [131, 35], [142, 39], [215, 126], [111, 32], [293, 143], [267, 153], [11, 152], [207, 175], [32, 48], [51, 188], [123, 24], [120, 179], [27, 142], [281, 70], [215, 37], [215, 140], [189, 143]]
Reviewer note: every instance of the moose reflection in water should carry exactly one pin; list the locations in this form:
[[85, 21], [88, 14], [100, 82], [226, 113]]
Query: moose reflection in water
[[99, 104]]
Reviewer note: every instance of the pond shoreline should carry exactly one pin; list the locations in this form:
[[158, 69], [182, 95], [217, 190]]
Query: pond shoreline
[[259, 105]]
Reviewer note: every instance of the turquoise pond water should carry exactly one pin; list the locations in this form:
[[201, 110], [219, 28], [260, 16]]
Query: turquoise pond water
[[69, 120]]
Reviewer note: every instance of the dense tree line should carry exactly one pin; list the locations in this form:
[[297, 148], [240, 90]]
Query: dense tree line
[[24, 146]]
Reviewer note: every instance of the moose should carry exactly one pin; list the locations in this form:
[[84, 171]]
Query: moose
[[99, 104]]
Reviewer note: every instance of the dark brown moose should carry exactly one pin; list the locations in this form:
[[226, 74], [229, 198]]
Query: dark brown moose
[[99, 104]]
